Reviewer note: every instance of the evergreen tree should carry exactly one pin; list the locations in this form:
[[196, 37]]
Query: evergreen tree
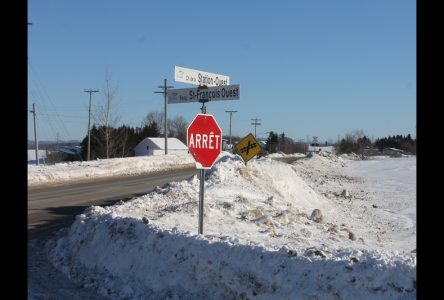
[[272, 142]]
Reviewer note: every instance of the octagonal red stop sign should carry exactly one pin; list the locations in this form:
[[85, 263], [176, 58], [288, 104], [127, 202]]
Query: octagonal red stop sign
[[204, 140]]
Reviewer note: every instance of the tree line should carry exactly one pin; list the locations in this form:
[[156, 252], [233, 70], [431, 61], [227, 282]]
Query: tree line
[[405, 143], [357, 142], [112, 142], [108, 141]]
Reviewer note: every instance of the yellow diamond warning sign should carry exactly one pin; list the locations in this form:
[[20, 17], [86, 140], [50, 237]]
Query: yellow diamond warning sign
[[248, 147]]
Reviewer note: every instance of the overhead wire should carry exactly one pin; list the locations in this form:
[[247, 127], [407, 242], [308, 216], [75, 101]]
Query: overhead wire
[[50, 126], [44, 96]]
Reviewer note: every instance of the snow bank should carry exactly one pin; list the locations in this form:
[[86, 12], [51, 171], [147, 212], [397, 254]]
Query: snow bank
[[101, 168], [122, 257], [259, 239]]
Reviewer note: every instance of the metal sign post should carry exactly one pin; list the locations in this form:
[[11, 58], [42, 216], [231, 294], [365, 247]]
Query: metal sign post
[[202, 175], [204, 140], [201, 200], [204, 136]]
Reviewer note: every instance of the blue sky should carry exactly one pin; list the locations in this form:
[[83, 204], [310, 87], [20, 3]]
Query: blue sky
[[306, 68]]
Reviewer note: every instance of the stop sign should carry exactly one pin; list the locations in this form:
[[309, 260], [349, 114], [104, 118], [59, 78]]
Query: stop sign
[[204, 140]]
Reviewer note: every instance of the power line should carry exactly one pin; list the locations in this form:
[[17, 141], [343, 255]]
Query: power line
[[43, 95], [65, 116]]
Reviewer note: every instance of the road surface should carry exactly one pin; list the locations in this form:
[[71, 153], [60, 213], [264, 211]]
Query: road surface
[[50, 208]]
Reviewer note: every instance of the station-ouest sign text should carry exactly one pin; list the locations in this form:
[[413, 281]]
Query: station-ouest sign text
[[197, 77]]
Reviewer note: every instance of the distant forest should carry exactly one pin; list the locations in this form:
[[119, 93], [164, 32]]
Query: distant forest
[[121, 142], [357, 142]]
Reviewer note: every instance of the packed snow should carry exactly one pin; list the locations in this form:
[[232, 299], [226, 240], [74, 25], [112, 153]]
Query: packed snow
[[76, 171], [322, 227]]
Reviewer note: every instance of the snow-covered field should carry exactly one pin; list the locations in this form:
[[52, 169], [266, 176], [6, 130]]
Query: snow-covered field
[[324, 227]]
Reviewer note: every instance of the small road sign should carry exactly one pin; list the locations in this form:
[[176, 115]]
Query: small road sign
[[248, 147], [215, 93], [204, 140], [197, 77]]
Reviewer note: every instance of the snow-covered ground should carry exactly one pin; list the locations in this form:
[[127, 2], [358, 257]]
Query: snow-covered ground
[[324, 227]]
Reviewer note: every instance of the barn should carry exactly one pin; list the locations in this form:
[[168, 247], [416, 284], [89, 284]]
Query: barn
[[156, 146]]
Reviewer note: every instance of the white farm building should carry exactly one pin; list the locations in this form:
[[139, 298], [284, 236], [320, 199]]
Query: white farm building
[[31, 156], [156, 146]]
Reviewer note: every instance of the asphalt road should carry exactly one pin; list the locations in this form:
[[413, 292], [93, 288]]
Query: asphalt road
[[51, 208]]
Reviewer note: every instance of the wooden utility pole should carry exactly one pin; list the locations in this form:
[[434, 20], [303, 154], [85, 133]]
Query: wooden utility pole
[[231, 113], [35, 135], [255, 123], [165, 95], [90, 91]]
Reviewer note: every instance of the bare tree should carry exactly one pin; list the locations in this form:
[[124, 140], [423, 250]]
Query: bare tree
[[156, 117], [105, 116], [178, 128], [357, 134]]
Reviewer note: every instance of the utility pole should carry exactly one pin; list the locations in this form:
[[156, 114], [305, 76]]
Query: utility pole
[[89, 122], [35, 135], [165, 95], [231, 113], [255, 123]]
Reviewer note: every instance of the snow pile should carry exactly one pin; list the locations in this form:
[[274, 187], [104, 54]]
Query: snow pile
[[125, 258], [323, 158], [101, 168], [269, 232]]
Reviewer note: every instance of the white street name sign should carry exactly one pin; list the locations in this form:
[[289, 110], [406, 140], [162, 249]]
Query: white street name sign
[[215, 93], [197, 77]]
